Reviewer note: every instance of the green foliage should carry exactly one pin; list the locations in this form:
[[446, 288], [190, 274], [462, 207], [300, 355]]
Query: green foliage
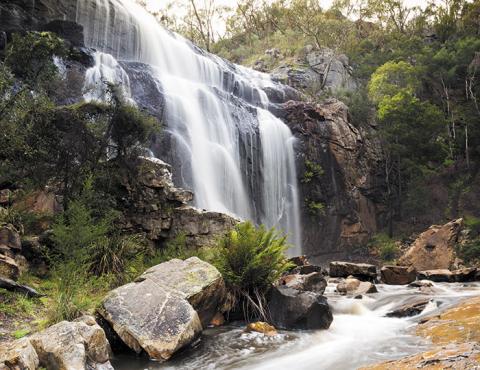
[[30, 57], [473, 224], [384, 246], [315, 208], [312, 170], [470, 252], [20, 333], [250, 260]]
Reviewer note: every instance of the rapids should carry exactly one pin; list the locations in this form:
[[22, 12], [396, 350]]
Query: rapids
[[359, 335], [232, 152]]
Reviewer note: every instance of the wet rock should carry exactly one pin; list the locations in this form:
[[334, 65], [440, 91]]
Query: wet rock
[[8, 268], [68, 30], [421, 283], [438, 276], [355, 287], [409, 309], [434, 248], [293, 309], [165, 308], [464, 275], [261, 327], [398, 275], [362, 271], [313, 282], [351, 188], [77, 345], [19, 354], [9, 237], [13, 286]]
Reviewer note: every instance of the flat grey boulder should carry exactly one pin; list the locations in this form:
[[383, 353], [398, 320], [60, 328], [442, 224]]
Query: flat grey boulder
[[166, 308]]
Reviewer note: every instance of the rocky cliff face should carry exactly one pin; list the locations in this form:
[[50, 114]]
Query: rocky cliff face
[[339, 183]]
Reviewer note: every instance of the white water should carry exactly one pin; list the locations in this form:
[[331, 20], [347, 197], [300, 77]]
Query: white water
[[359, 335], [214, 109]]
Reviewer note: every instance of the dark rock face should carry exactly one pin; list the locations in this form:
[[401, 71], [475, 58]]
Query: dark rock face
[[67, 30], [398, 275], [293, 309], [362, 271], [348, 186]]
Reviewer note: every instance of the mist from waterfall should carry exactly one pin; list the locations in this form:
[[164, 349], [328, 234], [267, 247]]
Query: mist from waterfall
[[213, 133]]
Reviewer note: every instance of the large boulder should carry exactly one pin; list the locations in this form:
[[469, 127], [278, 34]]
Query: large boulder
[[166, 308], [465, 274], [410, 309], [292, 309], [398, 275], [78, 345], [362, 271], [434, 248], [18, 355]]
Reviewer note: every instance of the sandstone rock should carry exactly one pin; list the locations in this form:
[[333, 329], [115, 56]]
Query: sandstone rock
[[410, 309], [164, 309], [438, 276], [306, 269], [76, 345], [8, 268], [313, 282], [448, 357], [261, 327], [18, 355], [398, 275], [362, 271], [434, 248], [15, 287], [10, 237], [292, 309], [299, 260], [464, 275], [355, 287]]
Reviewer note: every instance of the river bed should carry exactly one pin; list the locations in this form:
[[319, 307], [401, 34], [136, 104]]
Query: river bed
[[359, 335]]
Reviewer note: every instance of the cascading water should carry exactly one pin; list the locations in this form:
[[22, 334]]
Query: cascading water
[[239, 156]]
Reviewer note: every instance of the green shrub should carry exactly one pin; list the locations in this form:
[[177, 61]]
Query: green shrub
[[312, 170], [384, 246], [250, 260], [470, 252], [472, 223]]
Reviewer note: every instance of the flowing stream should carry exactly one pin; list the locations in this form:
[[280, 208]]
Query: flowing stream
[[235, 155], [359, 335]]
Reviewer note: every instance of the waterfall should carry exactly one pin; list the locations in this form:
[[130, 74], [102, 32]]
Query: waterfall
[[239, 156]]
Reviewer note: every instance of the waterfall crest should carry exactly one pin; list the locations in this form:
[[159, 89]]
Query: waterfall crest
[[239, 156]]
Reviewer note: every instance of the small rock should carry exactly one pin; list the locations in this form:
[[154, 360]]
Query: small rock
[[299, 260], [398, 275], [313, 282], [362, 271], [421, 283], [353, 286], [438, 276], [217, 320], [20, 355], [10, 237], [261, 327], [293, 309], [306, 269]]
